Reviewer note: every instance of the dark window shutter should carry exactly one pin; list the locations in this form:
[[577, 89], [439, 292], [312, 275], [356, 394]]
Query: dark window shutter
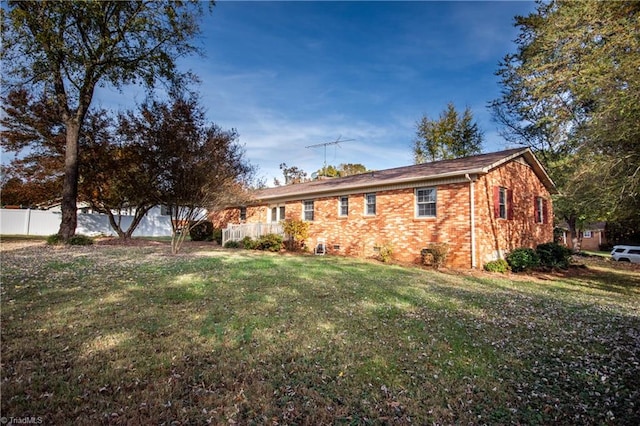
[[496, 201], [535, 209], [509, 204], [545, 212]]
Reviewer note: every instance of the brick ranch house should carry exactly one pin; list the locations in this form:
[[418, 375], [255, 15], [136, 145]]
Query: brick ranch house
[[482, 206], [592, 237]]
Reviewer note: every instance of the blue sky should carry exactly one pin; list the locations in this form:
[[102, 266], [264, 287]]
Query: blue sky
[[291, 74]]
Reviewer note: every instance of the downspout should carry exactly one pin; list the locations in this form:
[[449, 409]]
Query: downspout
[[472, 209]]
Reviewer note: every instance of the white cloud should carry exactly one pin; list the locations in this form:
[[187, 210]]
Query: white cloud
[[271, 140], [285, 84]]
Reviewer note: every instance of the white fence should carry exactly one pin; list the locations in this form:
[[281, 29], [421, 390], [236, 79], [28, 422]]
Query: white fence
[[42, 222], [253, 230]]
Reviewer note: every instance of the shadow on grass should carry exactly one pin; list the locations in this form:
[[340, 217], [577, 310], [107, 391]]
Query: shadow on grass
[[253, 338], [623, 282]]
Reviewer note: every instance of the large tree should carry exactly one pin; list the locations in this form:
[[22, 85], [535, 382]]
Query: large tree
[[572, 93], [117, 172], [450, 136], [199, 165], [63, 50]]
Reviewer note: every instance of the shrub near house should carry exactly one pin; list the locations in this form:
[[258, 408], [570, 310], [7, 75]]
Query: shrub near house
[[548, 256], [522, 259], [482, 207]]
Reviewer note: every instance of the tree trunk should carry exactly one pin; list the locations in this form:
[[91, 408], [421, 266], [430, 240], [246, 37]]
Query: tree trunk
[[70, 183], [573, 233], [141, 212], [115, 225]]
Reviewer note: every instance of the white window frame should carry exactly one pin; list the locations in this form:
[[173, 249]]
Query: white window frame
[[502, 203], [587, 234], [343, 203], [279, 210], [540, 204], [305, 210], [367, 204], [426, 203], [240, 215]]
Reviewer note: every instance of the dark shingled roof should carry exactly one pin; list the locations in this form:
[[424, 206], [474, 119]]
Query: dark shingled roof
[[477, 164]]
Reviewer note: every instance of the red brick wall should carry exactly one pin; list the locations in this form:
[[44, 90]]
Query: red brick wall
[[496, 236], [592, 243], [395, 223], [221, 219]]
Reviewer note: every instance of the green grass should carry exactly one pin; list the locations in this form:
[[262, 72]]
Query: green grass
[[605, 254], [109, 334]]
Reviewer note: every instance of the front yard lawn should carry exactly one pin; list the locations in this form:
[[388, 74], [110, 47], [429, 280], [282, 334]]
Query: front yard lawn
[[131, 335]]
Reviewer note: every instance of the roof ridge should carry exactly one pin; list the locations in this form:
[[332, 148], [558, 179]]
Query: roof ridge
[[505, 153], [484, 154], [454, 168]]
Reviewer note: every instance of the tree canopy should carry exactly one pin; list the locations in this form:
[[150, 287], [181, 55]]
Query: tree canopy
[[163, 153], [571, 92], [197, 164], [342, 170], [294, 174], [291, 175], [117, 172], [450, 136], [34, 133], [62, 50]]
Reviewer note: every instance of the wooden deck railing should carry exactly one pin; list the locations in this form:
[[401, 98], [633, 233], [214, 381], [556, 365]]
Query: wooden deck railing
[[253, 230]]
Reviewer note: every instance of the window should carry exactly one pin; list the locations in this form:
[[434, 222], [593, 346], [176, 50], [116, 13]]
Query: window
[[502, 202], [276, 214], [344, 206], [308, 210], [425, 202], [370, 204], [587, 234], [243, 213], [540, 210]]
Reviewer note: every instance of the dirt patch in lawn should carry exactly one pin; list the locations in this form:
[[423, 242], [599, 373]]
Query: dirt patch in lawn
[[11, 244], [187, 246], [133, 242]]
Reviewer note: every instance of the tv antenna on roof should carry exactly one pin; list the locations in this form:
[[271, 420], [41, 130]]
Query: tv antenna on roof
[[337, 142]]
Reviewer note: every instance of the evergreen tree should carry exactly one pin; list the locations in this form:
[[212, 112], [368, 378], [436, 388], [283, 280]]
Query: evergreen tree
[[450, 136]]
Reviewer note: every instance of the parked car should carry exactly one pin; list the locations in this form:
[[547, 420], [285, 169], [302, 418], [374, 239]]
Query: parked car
[[626, 254]]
